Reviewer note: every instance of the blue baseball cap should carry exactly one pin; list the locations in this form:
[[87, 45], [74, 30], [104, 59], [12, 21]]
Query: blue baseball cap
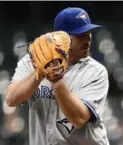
[[74, 21]]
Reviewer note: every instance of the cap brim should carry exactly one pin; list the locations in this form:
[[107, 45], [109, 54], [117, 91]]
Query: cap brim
[[84, 29]]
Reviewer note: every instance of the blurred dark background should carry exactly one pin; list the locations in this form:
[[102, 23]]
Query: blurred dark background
[[21, 22]]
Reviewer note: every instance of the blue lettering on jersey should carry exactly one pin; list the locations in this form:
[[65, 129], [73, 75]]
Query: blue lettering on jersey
[[43, 92]]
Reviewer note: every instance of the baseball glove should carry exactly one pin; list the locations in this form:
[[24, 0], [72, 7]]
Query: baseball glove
[[49, 54]]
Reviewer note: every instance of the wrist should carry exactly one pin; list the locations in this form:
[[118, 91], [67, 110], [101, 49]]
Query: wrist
[[58, 84]]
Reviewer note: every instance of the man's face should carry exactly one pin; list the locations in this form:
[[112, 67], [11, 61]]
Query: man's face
[[80, 47]]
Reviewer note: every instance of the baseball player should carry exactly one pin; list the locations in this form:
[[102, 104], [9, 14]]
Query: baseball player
[[65, 105]]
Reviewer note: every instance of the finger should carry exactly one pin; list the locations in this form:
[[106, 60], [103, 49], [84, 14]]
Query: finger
[[51, 64], [56, 62]]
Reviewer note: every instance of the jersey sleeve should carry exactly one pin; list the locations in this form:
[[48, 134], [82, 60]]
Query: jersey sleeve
[[23, 69], [94, 93]]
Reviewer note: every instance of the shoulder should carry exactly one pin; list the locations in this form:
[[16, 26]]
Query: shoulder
[[97, 67], [25, 61]]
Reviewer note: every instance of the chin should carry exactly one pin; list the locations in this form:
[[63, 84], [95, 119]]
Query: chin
[[84, 56]]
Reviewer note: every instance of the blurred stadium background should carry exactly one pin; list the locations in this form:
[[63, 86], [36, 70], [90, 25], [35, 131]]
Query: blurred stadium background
[[21, 22]]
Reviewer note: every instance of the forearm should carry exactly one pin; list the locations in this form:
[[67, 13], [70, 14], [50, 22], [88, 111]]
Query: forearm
[[72, 107], [20, 91]]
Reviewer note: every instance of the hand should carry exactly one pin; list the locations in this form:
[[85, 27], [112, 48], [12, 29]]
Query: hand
[[55, 71]]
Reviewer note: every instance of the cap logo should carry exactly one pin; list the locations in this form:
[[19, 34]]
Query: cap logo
[[83, 16]]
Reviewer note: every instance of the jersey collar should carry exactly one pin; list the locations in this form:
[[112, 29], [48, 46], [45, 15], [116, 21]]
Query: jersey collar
[[84, 60], [81, 61]]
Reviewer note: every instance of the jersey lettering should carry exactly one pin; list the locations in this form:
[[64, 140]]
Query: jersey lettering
[[43, 92], [36, 95]]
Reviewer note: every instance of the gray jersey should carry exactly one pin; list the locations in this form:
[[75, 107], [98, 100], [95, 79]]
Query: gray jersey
[[88, 80]]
